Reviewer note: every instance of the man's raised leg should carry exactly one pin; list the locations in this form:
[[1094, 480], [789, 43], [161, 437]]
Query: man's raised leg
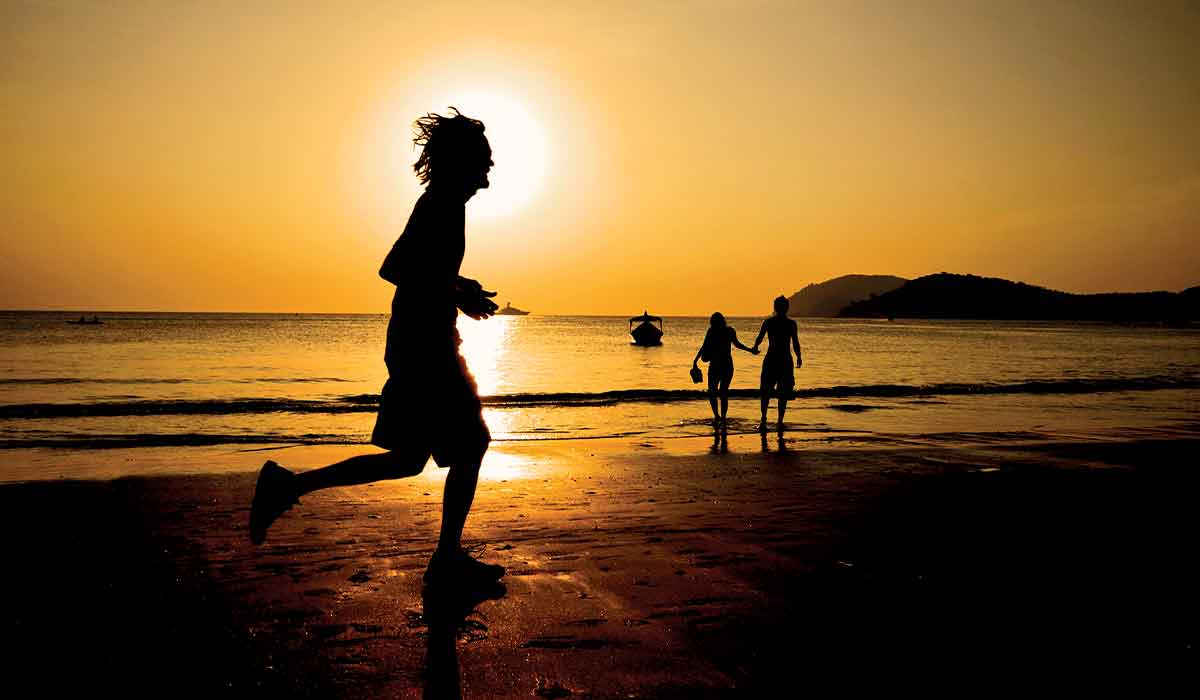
[[278, 489], [361, 469]]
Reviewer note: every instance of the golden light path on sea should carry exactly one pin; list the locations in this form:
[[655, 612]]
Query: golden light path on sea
[[485, 347]]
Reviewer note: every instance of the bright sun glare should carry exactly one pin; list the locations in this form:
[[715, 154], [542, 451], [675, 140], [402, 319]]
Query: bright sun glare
[[518, 149]]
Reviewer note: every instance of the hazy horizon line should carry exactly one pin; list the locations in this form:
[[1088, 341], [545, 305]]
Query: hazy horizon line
[[91, 312]]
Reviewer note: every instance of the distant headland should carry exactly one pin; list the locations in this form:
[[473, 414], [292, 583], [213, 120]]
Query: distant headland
[[946, 295], [828, 298]]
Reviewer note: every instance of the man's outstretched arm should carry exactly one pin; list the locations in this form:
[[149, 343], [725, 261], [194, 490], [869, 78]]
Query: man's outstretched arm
[[472, 299], [761, 332]]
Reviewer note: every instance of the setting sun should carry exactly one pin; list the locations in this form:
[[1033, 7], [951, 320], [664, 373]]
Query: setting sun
[[518, 148], [520, 143]]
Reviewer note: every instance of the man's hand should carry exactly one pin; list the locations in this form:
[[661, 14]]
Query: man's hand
[[466, 284], [475, 301]]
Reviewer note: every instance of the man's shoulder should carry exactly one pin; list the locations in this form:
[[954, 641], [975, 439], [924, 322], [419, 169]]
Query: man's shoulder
[[432, 207]]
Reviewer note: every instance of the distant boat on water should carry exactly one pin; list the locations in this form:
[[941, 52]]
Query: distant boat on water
[[646, 334], [84, 321], [510, 310]]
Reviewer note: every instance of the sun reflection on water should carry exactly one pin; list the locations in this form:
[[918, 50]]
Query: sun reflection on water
[[484, 345]]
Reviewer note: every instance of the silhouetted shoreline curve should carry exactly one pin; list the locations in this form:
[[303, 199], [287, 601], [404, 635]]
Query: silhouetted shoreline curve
[[952, 296]]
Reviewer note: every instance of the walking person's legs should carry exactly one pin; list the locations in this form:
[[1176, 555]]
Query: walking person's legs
[[764, 399], [713, 385], [787, 385], [724, 392]]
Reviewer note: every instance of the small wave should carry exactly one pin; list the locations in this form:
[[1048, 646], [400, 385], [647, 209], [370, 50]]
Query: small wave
[[171, 380], [1064, 386], [180, 407], [362, 403], [115, 441], [85, 441]]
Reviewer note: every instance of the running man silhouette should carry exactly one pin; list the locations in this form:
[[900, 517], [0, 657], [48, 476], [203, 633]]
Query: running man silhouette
[[716, 351], [429, 404], [777, 365]]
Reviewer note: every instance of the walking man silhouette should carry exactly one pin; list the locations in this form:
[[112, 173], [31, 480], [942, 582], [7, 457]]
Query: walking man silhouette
[[429, 404], [777, 374]]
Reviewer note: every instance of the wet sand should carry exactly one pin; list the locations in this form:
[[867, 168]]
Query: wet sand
[[636, 569]]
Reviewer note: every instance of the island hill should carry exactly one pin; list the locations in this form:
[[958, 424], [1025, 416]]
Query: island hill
[[946, 295], [828, 298]]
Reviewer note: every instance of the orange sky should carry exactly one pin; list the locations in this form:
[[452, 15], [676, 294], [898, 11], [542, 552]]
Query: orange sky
[[683, 157]]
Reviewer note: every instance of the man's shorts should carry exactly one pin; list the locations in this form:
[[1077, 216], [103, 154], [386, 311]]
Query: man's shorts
[[432, 409], [778, 376]]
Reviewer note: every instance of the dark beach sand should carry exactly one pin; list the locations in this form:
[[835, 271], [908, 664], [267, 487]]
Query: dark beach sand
[[635, 570]]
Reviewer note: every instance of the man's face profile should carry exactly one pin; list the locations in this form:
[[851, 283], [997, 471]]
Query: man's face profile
[[485, 163]]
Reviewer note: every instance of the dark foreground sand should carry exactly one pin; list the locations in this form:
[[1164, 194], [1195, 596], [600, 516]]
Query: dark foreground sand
[[635, 570]]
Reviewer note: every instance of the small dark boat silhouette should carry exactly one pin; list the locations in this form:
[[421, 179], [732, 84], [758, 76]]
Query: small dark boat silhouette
[[646, 333], [510, 310], [95, 321]]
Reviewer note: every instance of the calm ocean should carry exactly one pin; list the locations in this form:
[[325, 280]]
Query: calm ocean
[[162, 379]]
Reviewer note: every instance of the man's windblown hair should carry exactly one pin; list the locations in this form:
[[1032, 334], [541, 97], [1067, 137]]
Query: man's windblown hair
[[447, 143]]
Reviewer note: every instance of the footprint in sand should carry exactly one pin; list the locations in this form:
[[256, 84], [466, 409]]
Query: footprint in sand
[[551, 689], [588, 622]]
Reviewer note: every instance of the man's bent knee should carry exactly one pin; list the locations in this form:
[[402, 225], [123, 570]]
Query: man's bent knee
[[479, 448], [467, 455]]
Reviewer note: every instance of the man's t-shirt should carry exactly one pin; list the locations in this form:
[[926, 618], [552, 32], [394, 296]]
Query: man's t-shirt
[[424, 265]]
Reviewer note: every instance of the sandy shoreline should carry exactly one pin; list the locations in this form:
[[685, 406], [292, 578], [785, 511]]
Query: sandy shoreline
[[651, 569]]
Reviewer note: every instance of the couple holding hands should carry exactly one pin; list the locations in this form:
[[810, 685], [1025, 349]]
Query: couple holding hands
[[777, 374]]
